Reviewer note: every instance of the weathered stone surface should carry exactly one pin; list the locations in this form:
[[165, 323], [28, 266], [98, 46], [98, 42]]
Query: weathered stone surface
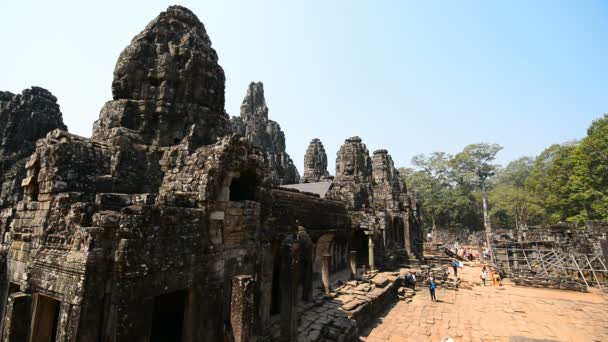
[[315, 163], [167, 86], [389, 192], [255, 126], [139, 231], [353, 182], [24, 118]]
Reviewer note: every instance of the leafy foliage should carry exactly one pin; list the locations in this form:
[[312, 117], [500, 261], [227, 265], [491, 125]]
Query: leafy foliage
[[565, 182]]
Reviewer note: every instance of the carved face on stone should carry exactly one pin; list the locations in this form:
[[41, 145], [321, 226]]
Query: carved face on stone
[[349, 168]]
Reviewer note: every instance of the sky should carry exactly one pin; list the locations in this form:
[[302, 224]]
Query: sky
[[409, 76]]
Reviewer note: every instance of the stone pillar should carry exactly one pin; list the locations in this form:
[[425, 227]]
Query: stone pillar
[[406, 234], [241, 307], [371, 253], [17, 318], [325, 273], [289, 293], [353, 265]]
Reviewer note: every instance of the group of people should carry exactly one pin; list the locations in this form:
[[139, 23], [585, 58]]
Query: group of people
[[466, 253], [484, 275], [487, 254]]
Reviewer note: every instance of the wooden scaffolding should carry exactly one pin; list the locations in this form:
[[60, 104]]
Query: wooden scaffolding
[[591, 269]]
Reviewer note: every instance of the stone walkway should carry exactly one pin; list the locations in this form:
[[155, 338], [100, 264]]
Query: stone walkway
[[506, 313]]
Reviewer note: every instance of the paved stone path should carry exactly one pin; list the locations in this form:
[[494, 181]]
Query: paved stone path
[[506, 313]]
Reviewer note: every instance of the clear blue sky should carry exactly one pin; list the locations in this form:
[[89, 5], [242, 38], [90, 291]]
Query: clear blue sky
[[412, 77]]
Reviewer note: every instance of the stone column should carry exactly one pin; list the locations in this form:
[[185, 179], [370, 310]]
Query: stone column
[[241, 307], [371, 253], [325, 273], [17, 318], [353, 265], [289, 293], [406, 233]]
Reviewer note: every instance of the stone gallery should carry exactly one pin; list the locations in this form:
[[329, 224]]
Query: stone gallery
[[174, 222]]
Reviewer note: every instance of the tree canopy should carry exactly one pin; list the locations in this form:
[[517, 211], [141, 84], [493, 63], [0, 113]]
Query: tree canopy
[[566, 182]]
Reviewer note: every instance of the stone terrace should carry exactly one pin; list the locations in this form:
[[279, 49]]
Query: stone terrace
[[506, 313]]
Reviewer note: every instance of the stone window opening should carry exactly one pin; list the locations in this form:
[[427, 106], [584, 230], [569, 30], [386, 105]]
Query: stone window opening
[[46, 319], [168, 317], [12, 288], [243, 187]]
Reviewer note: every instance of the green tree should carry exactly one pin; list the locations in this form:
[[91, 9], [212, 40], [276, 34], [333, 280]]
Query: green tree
[[446, 200], [474, 164], [549, 182], [588, 182], [513, 205]]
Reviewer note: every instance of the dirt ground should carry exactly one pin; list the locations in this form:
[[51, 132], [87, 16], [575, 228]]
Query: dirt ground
[[495, 313]]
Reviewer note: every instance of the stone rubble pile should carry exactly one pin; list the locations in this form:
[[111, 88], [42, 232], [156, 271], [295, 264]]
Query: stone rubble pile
[[561, 282], [406, 294], [339, 315], [439, 273]]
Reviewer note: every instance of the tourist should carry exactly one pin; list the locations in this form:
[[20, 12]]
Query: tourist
[[432, 287], [455, 267], [483, 276], [496, 279], [410, 280]]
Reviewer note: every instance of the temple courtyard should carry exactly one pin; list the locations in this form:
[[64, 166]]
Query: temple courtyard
[[495, 313]]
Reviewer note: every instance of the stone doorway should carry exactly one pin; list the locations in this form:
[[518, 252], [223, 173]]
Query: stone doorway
[[243, 188], [46, 319], [168, 317], [359, 242], [275, 301]]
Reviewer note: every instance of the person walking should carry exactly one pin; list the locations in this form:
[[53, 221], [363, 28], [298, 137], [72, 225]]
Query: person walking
[[455, 267], [496, 279], [432, 287], [483, 275]]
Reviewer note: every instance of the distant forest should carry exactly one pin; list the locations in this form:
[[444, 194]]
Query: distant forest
[[567, 182]]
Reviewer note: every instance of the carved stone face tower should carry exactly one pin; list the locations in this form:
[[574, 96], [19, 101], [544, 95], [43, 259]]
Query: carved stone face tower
[[315, 162], [167, 86], [255, 126], [353, 182], [353, 162]]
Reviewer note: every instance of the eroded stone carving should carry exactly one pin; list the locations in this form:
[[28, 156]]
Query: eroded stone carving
[[255, 126], [139, 231], [315, 162], [167, 86]]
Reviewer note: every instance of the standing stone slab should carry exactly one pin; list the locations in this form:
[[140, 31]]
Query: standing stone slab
[[353, 265], [241, 307]]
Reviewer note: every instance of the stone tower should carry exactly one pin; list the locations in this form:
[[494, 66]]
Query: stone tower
[[167, 86], [255, 126], [353, 182], [24, 118], [315, 163]]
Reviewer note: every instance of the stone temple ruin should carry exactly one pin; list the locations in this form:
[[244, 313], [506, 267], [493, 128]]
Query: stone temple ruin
[[174, 222]]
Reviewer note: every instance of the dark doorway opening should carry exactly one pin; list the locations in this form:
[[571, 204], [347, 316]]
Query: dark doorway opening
[[398, 224], [168, 317], [243, 187], [12, 288], [275, 301], [46, 319], [359, 243]]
